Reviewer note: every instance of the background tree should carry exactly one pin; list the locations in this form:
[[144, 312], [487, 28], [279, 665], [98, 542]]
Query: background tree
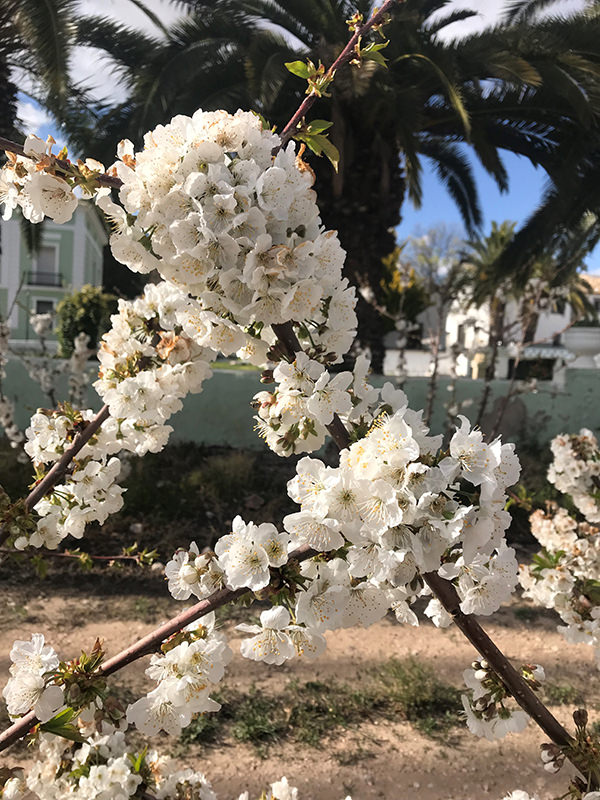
[[435, 258], [87, 310], [555, 280], [525, 86]]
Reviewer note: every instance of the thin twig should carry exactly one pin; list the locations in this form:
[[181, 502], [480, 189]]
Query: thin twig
[[67, 554], [12, 147], [344, 57], [286, 134], [59, 468]]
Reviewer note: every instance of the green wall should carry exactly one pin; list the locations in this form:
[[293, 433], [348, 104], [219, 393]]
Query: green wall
[[221, 413]]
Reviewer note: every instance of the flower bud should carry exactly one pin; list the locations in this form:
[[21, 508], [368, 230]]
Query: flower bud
[[580, 717]]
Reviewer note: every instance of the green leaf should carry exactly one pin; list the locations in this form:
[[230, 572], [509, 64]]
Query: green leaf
[[320, 145], [298, 68], [41, 566], [266, 125], [451, 89], [318, 126], [60, 725], [371, 53], [332, 153]]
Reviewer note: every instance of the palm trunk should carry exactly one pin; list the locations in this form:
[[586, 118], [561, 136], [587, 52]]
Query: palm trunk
[[363, 203], [497, 307], [435, 361]]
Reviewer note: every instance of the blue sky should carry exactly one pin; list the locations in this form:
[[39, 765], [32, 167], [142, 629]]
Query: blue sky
[[525, 190], [526, 182]]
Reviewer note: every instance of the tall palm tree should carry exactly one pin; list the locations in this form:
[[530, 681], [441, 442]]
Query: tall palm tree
[[36, 39], [486, 281], [524, 86]]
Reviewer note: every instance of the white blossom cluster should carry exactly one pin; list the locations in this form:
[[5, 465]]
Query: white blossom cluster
[[398, 508], [27, 182], [294, 416], [207, 205], [565, 575], [185, 675], [390, 511], [30, 687], [487, 714], [148, 363], [103, 767], [88, 492], [575, 470], [276, 640]]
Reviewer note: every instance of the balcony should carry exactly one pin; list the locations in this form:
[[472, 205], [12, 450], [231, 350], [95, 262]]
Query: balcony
[[37, 278]]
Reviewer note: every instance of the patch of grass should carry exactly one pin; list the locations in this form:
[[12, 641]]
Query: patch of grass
[[417, 692], [259, 719], [203, 487], [312, 711], [527, 614], [562, 694], [242, 366], [322, 707]]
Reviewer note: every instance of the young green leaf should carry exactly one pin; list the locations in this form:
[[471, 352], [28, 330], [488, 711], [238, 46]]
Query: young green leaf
[[298, 68], [60, 725], [371, 53], [318, 126], [332, 153]]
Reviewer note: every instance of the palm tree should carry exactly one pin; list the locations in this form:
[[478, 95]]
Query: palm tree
[[36, 39], [524, 86], [486, 281]]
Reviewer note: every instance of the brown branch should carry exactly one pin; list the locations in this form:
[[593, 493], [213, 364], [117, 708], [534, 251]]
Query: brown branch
[[149, 644], [468, 625], [288, 339], [67, 554], [104, 180], [59, 468], [518, 687]]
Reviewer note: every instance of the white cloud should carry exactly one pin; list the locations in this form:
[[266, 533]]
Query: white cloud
[[95, 71], [490, 11], [32, 116]]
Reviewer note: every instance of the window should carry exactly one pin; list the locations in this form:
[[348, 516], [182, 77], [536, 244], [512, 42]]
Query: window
[[44, 306], [539, 368], [46, 258], [44, 270]]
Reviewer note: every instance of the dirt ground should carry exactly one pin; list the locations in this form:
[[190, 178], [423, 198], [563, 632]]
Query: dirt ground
[[376, 759]]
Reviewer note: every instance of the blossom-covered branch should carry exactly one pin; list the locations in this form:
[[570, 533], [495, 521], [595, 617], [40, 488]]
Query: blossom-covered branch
[[149, 643]]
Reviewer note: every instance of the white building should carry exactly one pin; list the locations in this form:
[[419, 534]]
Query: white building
[[466, 331]]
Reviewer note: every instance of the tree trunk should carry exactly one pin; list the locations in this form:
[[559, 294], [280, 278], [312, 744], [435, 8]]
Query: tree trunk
[[362, 203]]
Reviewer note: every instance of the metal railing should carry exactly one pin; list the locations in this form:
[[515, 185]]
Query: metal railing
[[37, 278]]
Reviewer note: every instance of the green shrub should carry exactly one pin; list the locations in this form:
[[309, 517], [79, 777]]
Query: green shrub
[[87, 310]]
